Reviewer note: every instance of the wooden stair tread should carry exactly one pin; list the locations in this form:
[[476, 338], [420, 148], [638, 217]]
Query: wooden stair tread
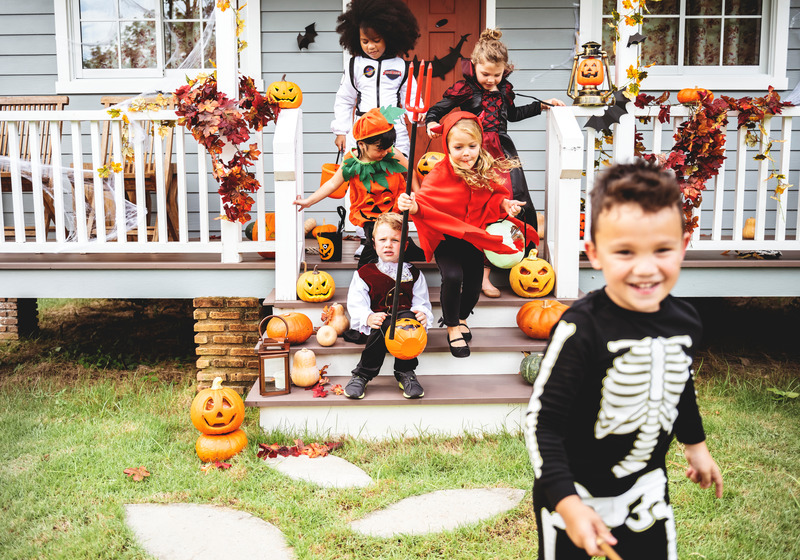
[[383, 391]]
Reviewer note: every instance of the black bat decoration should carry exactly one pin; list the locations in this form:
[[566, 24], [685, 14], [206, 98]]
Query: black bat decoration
[[611, 114], [442, 66], [635, 39], [303, 40]]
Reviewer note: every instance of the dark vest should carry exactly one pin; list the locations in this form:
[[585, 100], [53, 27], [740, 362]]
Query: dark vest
[[381, 288]]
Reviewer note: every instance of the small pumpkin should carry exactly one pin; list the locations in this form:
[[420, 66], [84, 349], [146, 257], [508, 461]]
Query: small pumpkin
[[410, 339], [326, 335], [304, 371], [583, 223], [287, 95], [308, 226], [269, 224], [300, 327], [428, 161], [333, 315], [691, 96], [590, 72], [537, 318], [749, 229], [217, 410], [221, 447], [530, 366], [323, 228], [532, 277], [315, 285]]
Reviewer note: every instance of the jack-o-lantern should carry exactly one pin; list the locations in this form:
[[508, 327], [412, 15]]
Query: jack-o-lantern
[[217, 410], [512, 237], [427, 161], [315, 285], [286, 94], [590, 72], [410, 339], [532, 277]]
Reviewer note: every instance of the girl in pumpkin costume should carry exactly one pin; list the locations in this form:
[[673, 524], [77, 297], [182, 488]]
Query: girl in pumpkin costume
[[375, 173], [457, 200], [486, 91]]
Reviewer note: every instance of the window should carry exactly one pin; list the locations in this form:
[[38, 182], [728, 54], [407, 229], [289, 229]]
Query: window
[[721, 44], [108, 46]]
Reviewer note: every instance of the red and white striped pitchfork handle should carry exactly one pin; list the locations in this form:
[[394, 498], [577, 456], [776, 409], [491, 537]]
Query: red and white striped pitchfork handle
[[417, 111]]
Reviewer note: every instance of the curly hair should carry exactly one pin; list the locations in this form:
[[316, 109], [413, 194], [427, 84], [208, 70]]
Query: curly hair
[[391, 19], [486, 173], [490, 48]]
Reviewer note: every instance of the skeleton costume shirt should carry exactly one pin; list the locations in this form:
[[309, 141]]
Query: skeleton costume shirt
[[614, 387]]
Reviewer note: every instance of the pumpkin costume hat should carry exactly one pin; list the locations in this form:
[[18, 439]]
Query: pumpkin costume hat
[[375, 121]]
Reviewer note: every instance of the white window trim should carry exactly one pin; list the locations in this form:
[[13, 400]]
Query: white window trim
[[776, 53], [250, 59]]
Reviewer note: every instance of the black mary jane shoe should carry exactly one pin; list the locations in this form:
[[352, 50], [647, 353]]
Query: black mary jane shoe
[[467, 335], [458, 351]]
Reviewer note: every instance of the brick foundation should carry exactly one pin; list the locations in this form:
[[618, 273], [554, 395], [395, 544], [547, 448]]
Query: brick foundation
[[226, 333], [18, 318]]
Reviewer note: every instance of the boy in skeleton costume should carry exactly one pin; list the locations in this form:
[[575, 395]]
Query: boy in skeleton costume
[[616, 383]]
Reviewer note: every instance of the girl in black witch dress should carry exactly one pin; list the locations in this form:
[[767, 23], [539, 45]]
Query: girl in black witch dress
[[486, 91]]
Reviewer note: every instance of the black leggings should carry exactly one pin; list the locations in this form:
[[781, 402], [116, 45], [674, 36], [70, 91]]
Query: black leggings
[[461, 266]]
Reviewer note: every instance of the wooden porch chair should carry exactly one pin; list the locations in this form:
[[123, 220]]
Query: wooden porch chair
[[170, 169], [30, 103]]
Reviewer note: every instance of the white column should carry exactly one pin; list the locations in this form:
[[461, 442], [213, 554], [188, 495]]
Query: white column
[[626, 57]]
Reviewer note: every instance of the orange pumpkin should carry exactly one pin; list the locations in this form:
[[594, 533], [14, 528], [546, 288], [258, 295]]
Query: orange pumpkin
[[287, 95], [219, 448], [217, 410], [323, 228], [315, 285], [269, 223], [590, 72], [583, 223], [537, 318], [410, 339], [690, 96], [532, 277], [300, 327]]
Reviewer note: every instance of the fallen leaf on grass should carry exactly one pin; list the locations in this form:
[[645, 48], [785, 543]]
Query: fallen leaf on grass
[[299, 448], [215, 465], [137, 473]]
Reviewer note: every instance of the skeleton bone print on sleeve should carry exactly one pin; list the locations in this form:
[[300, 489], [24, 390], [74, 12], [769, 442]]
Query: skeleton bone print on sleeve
[[641, 392]]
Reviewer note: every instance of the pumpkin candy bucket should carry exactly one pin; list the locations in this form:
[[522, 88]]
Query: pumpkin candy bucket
[[328, 171], [330, 242]]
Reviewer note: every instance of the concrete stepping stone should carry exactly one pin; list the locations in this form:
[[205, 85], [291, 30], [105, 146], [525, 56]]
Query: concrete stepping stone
[[194, 531], [329, 471], [442, 510]]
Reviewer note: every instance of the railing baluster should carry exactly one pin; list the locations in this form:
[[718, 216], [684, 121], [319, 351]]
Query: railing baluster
[[183, 213], [99, 194], [162, 213], [202, 186], [57, 180], [261, 197], [39, 221], [79, 195], [719, 198], [761, 188], [142, 216], [16, 182], [741, 172], [121, 217], [786, 153]]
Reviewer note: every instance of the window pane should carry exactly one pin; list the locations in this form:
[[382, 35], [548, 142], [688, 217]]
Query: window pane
[[137, 9], [99, 45], [208, 8], [665, 7], [704, 7], [179, 40], [609, 6], [608, 42], [661, 45], [702, 42], [97, 10], [210, 54], [742, 42], [743, 7], [182, 9], [139, 44]]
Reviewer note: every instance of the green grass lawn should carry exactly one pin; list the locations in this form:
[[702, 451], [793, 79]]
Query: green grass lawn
[[70, 428]]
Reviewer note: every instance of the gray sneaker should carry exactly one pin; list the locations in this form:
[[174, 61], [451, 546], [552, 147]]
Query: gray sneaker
[[409, 384], [355, 388]]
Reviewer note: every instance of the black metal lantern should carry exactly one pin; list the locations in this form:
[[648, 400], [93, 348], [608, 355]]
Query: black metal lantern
[[273, 361], [590, 72]]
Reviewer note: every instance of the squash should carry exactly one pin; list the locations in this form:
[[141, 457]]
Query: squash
[[334, 316], [308, 226], [326, 335], [217, 410], [315, 286], [692, 96], [749, 229], [304, 371], [287, 95], [537, 318], [532, 277], [329, 228], [221, 447], [300, 327], [410, 339], [529, 367]]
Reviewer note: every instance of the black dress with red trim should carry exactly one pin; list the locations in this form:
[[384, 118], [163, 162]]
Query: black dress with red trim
[[497, 109]]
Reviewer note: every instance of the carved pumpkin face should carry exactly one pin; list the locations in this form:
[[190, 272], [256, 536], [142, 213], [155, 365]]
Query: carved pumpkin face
[[532, 277], [410, 339], [590, 72], [217, 410], [326, 247], [315, 285], [427, 161], [286, 94]]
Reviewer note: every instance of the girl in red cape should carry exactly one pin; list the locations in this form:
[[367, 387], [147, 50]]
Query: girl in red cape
[[463, 194]]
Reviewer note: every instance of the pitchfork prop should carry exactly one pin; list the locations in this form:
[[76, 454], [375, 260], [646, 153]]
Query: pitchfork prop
[[417, 111]]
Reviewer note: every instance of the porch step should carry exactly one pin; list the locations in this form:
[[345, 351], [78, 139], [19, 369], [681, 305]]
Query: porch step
[[451, 406]]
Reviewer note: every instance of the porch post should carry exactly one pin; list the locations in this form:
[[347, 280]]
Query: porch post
[[626, 57], [228, 83]]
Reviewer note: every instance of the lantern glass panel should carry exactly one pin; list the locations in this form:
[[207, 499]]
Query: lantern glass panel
[[274, 368]]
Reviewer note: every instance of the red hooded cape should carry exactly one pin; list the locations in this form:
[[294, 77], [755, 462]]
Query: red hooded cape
[[447, 205]]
